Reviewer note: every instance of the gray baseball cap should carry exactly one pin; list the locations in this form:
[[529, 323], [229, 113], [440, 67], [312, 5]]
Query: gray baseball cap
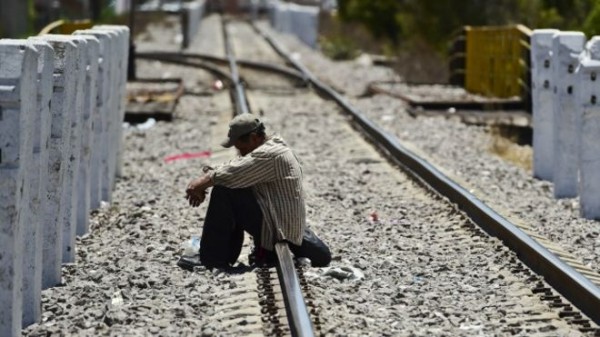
[[241, 125]]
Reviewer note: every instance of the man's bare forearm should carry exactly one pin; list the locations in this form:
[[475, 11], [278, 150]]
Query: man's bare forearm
[[201, 184], [195, 192]]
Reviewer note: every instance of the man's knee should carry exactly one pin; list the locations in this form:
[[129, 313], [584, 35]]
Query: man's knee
[[222, 194], [219, 192], [236, 195]]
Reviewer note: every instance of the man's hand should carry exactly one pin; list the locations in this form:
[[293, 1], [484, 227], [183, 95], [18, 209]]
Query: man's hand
[[195, 192], [196, 199]]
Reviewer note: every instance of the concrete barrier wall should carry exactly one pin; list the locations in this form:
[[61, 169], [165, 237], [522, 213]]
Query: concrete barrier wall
[[300, 21], [61, 109], [566, 119]]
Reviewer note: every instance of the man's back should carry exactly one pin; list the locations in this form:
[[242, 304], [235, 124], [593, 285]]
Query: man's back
[[275, 175]]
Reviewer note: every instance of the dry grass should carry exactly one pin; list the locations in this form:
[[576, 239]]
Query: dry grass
[[505, 145], [416, 61], [420, 63], [331, 28]]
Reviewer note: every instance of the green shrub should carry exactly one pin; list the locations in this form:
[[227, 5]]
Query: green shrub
[[339, 48]]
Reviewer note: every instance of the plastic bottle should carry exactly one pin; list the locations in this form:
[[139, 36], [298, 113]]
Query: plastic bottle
[[192, 246]]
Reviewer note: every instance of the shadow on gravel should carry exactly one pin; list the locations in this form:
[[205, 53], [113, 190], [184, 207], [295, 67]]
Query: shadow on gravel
[[192, 263]]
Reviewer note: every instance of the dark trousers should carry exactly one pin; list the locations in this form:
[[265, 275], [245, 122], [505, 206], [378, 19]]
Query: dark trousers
[[233, 211]]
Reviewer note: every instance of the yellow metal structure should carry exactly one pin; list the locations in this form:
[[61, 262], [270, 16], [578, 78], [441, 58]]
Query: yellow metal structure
[[496, 60], [65, 27]]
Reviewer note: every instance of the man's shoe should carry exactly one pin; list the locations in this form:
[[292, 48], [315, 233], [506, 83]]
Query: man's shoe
[[261, 257], [189, 262]]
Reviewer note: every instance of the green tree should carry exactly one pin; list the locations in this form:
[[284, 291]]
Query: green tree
[[379, 16], [591, 25], [572, 13], [435, 20]]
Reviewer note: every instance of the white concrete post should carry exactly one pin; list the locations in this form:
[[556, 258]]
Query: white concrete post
[[589, 153], [18, 73], [100, 146], [121, 82], [32, 260], [276, 15], [114, 123], [566, 47], [63, 105], [305, 23], [284, 21], [192, 13], [253, 10], [69, 194], [124, 63], [77, 130], [110, 66], [92, 54], [272, 7], [542, 100]]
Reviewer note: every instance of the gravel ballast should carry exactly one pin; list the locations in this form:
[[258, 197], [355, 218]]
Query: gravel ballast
[[464, 152], [406, 263]]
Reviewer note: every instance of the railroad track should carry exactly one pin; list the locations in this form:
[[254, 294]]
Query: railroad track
[[300, 323], [571, 278], [540, 260]]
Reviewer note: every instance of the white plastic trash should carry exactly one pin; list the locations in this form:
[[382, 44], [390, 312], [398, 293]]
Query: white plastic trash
[[191, 247]]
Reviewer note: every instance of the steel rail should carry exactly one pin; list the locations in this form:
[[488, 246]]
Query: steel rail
[[571, 284], [285, 71], [208, 67], [241, 104], [297, 312], [295, 306], [487, 105]]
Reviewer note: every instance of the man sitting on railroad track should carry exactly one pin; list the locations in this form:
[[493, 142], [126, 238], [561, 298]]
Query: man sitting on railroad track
[[259, 192]]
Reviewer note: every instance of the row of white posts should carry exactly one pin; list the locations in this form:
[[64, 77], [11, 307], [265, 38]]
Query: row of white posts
[[566, 115], [299, 20], [61, 111]]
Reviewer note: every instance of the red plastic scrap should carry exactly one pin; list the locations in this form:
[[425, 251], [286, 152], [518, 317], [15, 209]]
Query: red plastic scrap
[[373, 216], [187, 155]]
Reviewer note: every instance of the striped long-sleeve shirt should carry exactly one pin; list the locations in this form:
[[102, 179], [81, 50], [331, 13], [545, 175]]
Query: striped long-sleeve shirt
[[273, 172]]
